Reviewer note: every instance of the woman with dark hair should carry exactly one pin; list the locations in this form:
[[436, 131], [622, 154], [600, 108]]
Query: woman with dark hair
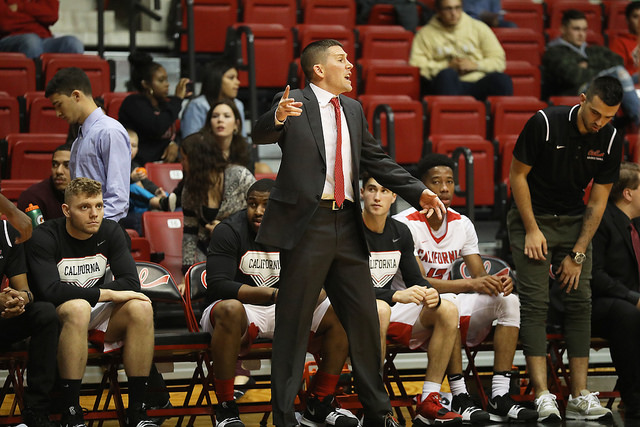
[[220, 82], [224, 126], [213, 190], [151, 112]]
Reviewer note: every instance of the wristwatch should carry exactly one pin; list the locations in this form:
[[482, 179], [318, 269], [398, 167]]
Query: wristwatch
[[578, 257]]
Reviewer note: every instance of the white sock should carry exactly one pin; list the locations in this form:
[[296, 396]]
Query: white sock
[[457, 384], [500, 384], [429, 387]]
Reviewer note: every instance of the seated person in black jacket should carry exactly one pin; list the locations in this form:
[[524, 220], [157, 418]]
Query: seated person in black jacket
[[242, 280], [68, 259], [616, 283]]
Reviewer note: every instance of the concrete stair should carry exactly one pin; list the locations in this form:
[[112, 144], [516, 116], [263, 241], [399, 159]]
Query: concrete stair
[[81, 20]]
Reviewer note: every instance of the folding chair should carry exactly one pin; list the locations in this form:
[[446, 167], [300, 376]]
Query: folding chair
[[493, 266]]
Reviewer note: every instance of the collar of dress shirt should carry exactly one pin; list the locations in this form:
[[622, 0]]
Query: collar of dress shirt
[[323, 96]]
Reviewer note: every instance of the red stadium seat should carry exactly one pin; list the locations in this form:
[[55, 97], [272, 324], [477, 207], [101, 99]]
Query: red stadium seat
[[564, 100], [459, 115], [211, 20], [390, 77], [164, 232], [41, 116], [525, 78], [140, 249], [384, 42], [98, 70], [31, 156], [592, 11], [483, 159], [273, 48], [13, 188], [308, 33], [525, 13], [9, 115], [382, 14], [505, 144], [282, 12], [113, 101], [165, 175], [510, 113], [409, 124], [330, 12], [385, 14], [522, 44], [17, 74], [614, 11]]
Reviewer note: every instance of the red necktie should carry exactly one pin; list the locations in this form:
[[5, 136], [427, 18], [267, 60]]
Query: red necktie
[[338, 190], [635, 240]]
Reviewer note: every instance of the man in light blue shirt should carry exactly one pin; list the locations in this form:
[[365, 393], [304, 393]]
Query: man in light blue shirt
[[102, 150]]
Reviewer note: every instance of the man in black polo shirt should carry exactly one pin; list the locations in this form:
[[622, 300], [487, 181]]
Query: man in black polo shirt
[[557, 154]]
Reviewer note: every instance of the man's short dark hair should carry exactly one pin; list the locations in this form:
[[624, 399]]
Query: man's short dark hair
[[631, 7], [608, 89], [263, 185], [629, 178], [67, 80], [63, 147], [315, 53], [572, 15], [432, 160]]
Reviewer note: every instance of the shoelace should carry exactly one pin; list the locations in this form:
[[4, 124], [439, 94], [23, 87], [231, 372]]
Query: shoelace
[[591, 401], [547, 400]]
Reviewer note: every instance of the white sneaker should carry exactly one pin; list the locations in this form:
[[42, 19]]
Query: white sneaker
[[547, 408], [586, 407]]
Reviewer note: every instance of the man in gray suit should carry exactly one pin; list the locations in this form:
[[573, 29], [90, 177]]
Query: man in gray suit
[[313, 217]]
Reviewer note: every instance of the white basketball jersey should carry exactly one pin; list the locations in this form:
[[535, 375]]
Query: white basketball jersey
[[439, 249]]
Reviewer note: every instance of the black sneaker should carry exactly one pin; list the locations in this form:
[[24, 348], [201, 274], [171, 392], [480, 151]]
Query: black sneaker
[[322, 412], [504, 408], [161, 419], [464, 405], [390, 421], [228, 415], [137, 417], [72, 417], [37, 418]]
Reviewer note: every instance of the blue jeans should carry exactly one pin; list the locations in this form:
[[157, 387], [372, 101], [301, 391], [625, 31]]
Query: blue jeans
[[33, 46], [447, 82]]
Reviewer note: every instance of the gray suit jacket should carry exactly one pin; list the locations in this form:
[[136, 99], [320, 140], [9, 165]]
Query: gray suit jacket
[[298, 189]]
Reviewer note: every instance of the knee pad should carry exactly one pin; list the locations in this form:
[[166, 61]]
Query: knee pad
[[508, 311]]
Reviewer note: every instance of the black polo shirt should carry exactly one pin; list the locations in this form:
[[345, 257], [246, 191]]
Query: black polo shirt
[[563, 161]]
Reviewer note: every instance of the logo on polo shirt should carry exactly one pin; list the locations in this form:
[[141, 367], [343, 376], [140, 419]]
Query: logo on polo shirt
[[595, 155], [383, 266], [263, 267]]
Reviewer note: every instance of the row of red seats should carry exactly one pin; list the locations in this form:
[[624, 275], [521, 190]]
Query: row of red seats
[[213, 17], [35, 114], [19, 74], [415, 120], [385, 70]]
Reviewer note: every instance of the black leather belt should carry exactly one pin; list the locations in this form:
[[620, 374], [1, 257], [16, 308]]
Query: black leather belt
[[331, 204]]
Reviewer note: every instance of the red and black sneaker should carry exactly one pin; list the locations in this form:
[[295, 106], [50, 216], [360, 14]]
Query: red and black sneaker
[[431, 412]]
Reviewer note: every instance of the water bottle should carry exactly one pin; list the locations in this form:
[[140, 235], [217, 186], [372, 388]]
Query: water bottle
[[34, 212]]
